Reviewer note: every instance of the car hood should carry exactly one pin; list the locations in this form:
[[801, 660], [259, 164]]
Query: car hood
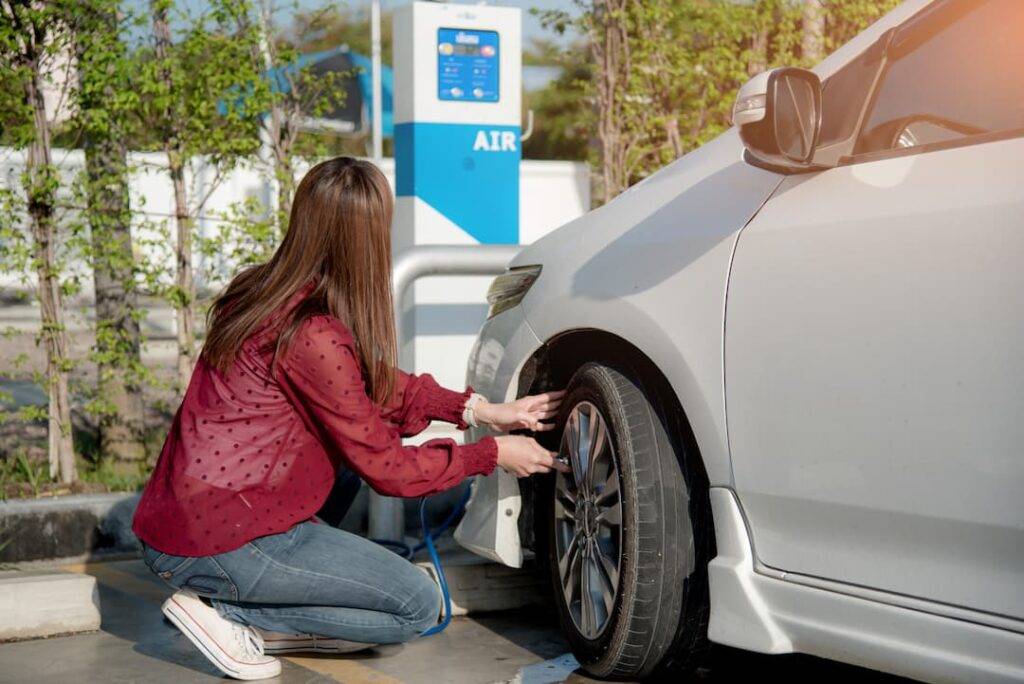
[[711, 188]]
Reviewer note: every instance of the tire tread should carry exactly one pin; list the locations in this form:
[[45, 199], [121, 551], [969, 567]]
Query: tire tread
[[662, 631]]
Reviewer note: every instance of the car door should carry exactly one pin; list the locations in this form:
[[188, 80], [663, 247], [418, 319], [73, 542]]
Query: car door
[[875, 330]]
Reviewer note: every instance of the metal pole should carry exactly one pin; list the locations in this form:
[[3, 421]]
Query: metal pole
[[377, 98], [387, 517]]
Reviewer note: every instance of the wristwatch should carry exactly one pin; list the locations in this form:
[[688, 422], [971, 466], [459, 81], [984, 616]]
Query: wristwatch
[[468, 415]]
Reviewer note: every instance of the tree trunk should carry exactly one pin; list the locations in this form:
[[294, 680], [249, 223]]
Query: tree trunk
[[285, 188], [276, 124], [184, 296], [117, 327], [611, 52], [673, 137], [183, 279], [41, 183], [758, 52], [813, 44]]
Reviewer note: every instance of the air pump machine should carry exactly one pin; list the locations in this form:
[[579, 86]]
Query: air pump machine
[[457, 113], [458, 75]]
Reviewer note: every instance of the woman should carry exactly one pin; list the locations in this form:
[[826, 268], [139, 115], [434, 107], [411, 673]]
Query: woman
[[296, 382]]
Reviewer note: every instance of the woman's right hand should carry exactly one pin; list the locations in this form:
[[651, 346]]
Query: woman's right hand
[[523, 456]]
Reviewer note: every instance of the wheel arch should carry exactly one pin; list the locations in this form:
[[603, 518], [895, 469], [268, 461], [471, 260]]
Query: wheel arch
[[553, 364]]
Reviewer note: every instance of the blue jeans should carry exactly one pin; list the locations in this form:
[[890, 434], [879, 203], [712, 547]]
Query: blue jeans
[[312, 579]]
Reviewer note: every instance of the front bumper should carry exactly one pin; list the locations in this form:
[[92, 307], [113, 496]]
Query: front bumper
[[490, 525]]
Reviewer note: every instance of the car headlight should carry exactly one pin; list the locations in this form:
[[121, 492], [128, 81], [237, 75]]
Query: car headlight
[[510, 287]]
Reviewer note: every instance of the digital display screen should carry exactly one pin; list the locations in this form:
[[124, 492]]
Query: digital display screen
[[467, 65]]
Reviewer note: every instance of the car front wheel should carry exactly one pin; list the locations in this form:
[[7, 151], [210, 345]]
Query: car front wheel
[[626, 539]]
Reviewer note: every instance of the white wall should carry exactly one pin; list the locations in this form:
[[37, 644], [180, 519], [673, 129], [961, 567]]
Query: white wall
[[449, 309]]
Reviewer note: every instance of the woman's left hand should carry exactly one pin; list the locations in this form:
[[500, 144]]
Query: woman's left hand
[[528, 413]]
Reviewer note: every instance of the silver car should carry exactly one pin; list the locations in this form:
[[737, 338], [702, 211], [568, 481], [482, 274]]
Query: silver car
[[795, 363]]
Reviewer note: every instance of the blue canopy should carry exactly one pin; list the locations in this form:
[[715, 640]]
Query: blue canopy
[[341, 59], [387, 84]]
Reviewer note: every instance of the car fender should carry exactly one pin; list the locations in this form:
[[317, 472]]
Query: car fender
[[652, 267]]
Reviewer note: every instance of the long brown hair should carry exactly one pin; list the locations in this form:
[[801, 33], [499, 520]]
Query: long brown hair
[[338, 240]]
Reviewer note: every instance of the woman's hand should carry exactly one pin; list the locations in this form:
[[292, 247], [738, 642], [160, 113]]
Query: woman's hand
[[527, 413], [522, 456]]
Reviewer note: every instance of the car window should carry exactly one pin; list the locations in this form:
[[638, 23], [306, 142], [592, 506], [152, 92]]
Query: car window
[[967, 79]]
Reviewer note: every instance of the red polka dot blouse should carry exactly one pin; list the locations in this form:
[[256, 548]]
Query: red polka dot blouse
[[251, 453]]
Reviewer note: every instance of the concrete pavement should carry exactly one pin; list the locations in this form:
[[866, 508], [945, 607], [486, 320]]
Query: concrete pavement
[[135, 644]]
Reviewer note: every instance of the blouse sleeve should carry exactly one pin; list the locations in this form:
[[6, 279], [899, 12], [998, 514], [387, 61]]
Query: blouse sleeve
[[418, 399], [322, 372]]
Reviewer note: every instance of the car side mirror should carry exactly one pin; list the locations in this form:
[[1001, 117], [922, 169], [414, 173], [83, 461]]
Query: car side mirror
[[779, 116]]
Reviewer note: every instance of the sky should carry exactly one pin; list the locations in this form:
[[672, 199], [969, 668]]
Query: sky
[[531, 26]]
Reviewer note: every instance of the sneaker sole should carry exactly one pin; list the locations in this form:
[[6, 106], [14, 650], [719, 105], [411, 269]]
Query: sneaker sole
[[188, 626], [305, 646]]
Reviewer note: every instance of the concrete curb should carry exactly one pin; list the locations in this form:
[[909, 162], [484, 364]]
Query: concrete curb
[[77, 526], [486, 587], [39, 604], [478, 585], [99, 526]]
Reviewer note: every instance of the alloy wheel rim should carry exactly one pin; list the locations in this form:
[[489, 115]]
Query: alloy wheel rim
[[588, 521]]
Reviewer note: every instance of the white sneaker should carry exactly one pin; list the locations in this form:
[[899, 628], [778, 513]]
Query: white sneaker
[[236, 650], [276, 643]]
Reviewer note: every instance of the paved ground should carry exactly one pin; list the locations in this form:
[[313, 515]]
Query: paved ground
[[135, 644]]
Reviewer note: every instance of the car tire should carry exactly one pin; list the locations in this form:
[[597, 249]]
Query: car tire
[[657, 625]]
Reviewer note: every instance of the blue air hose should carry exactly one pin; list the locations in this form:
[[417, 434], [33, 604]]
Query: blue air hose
[[428, 541], [406, 551]]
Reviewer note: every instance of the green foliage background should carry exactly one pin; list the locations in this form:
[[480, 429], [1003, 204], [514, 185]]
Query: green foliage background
[[687, 59], [679, 65]]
